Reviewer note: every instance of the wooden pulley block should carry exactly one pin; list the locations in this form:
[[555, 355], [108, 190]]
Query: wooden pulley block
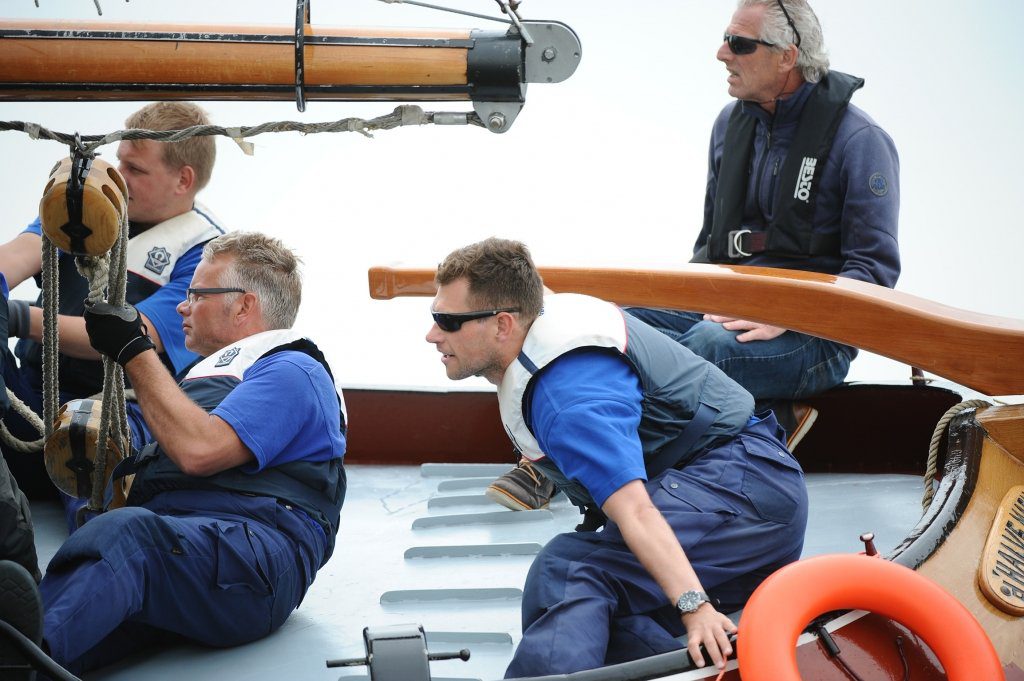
[[83, 205], [70, 451]]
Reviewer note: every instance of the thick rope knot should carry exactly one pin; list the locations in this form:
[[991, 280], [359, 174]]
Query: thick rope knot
[[96, 271]]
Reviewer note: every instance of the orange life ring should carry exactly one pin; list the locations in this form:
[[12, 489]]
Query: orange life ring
[[784, 603]]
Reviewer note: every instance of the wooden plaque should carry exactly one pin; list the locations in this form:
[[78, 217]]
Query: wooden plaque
[[1001, 573]]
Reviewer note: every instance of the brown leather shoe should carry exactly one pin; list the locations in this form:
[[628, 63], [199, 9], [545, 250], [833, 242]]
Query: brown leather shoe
[[524, 488], [804, 416]]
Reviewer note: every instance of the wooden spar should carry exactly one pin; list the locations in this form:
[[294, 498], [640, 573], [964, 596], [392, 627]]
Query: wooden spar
[[978, 351], [242, 61], [59, 60]]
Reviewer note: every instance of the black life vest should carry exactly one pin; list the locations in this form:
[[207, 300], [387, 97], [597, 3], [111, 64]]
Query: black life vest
[[790, 232]]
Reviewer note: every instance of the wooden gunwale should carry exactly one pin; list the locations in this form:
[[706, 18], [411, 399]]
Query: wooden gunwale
[[975, 350]]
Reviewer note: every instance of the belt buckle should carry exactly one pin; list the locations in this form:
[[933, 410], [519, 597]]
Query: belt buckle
[[735, 237]]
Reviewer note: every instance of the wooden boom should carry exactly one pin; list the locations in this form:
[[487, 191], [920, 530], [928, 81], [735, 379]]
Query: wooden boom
[[982, 352], [59, 60]]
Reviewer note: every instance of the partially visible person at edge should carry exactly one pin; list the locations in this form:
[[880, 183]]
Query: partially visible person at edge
[[699, 499], [167, 230], [17, 541], [798, 178], [238, 487]]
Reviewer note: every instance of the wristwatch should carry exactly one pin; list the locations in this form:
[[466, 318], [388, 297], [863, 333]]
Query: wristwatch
[[690, 601]]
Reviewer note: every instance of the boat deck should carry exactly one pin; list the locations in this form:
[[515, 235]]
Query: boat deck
[[423, 545]]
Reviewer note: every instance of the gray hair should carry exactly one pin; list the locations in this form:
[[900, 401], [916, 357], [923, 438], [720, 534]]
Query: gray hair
[[264, 266], [813, 59]]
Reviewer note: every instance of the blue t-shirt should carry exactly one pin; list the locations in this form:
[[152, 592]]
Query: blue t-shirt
[[584, 411], [309, 429], [161, 307]]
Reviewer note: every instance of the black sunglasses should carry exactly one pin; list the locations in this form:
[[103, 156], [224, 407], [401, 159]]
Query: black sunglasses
[[740, 45], [192, 293], [453, 321]]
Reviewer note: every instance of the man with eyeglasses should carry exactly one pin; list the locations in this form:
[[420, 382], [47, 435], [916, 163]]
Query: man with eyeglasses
[[238, 484], [700, 500], [798, 178], [167, 230]]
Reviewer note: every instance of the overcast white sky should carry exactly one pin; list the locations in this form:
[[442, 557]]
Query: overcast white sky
[[607, 168]]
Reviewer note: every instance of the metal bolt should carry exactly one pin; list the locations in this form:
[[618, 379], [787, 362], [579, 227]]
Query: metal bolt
[[549, 54], [496, 121], [869, 543]]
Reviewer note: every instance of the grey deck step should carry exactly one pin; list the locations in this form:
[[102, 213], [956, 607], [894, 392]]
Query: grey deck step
[[462, 595], [490, 518], [473, 550], [460, 500], [464, 470]]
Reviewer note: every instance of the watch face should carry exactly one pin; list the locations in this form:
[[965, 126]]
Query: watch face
[[690, 601]]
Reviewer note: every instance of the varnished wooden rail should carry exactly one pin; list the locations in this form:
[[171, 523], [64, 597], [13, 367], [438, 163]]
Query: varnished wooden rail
[[982, 352]]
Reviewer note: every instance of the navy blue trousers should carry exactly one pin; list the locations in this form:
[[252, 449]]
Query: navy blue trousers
[[226, 572], [739, 512]]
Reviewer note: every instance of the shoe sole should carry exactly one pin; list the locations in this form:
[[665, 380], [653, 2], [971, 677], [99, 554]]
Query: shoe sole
[[20, 607], [802, 428], [500, 496]]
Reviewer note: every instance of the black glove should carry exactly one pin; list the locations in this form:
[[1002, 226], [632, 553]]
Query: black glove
[[117, 332], [17, 318]]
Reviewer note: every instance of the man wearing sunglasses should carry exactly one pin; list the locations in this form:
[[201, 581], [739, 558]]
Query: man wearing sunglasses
[[167, 230], [238, 484], [798, 178], [701, 499]]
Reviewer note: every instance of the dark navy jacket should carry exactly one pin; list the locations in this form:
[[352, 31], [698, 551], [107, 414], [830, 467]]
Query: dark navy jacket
[[858, 195]]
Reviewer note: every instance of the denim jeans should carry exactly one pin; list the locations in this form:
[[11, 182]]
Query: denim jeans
[[790, 366]]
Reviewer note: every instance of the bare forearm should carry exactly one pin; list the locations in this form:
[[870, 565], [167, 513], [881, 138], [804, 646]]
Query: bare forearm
[[654, 544], [74, 342], [21, 258], [199, 444], [652, 541]]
